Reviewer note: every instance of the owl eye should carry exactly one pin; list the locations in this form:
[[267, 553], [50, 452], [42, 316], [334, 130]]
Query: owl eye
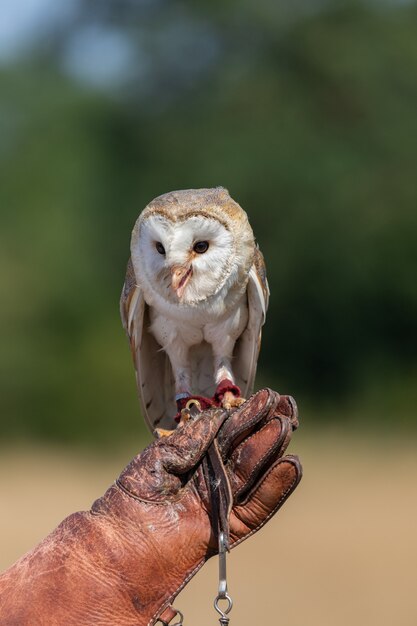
[[159, 247], [201, 246]]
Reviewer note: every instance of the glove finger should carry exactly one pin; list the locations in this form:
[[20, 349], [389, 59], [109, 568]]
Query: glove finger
[[266, 498], [154, 474], [287, 406], [246, 419], [256, 452], [181, 451]]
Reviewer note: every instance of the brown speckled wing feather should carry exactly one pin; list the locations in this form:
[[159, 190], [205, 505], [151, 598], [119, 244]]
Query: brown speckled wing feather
[[153, 371], [260, 271], [248, 345]]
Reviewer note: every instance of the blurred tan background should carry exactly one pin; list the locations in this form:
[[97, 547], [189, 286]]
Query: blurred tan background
[[306, 112]]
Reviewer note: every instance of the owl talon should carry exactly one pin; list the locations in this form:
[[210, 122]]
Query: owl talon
[[230, 401], [162, 432], [185, 416]]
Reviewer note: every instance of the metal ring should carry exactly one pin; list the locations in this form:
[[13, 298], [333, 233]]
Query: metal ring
[[192, 402], [229, 604]]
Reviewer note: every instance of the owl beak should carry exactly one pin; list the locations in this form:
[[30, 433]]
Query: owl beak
[[181, 274]]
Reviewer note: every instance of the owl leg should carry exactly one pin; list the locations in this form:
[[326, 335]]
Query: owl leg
[[177, 353], [223, 336], [227, 392], [175, 340], [223, 369]]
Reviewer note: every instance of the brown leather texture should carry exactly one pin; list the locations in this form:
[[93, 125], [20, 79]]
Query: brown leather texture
[[125, 560]]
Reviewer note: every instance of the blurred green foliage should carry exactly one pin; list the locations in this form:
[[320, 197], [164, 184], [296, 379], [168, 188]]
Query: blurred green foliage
[[308, 118]]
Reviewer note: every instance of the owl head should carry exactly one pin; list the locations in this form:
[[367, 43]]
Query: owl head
[[189, 245]]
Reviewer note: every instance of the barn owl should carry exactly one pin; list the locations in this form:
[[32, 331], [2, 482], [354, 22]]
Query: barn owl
[[194, 300]]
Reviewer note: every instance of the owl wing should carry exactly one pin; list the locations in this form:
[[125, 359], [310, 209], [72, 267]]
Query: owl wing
[[245, 356], [153, 371]]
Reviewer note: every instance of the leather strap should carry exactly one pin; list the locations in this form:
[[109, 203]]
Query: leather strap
[[218, 485], [220, 492], [167, 615], [222, 387], [203, 402]]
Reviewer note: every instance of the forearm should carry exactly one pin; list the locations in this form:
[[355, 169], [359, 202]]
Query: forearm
[[118, 563], [159, 547]]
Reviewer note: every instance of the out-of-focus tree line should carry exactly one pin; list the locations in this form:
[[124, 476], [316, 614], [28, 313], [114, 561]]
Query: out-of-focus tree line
[[307, 114]]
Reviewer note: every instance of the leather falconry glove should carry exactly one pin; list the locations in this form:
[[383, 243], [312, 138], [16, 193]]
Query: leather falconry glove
[[127, 558]]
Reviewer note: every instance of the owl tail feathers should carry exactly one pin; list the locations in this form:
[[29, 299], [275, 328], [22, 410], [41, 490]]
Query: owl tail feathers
[[202, 402]]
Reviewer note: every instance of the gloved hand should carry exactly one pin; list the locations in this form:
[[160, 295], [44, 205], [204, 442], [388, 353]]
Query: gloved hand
[[125, 560]]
